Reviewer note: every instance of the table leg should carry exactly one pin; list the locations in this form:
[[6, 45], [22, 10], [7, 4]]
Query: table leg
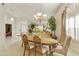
[[49, 48], [50, 52]]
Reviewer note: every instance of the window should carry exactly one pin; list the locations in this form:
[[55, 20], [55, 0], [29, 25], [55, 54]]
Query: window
[[72, 27], [77, 27]]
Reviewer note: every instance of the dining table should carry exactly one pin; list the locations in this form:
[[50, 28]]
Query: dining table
[[45, 40]]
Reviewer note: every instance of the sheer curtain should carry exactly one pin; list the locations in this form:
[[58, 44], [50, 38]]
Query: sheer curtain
[[77, 27], [63, 27], [72, 27]]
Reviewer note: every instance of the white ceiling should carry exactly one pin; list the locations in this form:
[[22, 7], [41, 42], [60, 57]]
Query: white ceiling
[[73, 9], [27, 10]]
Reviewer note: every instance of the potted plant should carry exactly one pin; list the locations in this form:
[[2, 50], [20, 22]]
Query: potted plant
[[52, 24], [32, 26]]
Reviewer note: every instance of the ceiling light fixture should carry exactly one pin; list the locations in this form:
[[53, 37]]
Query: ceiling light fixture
[[12, 19], [39, 16]]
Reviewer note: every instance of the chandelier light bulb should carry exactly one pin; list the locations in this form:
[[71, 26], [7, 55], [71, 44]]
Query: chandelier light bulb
[[39, 14], [34, 16], [44, 15]]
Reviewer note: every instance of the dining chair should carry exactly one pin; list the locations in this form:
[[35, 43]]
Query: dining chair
[[39, 48], [49, 34], [22, 39], [27, 44], [63, 49], [22, 34]]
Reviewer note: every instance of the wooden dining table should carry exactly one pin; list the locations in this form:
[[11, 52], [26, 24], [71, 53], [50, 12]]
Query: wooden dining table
[[44, 40]]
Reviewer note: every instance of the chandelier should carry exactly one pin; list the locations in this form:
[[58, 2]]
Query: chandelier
[[39, 16]]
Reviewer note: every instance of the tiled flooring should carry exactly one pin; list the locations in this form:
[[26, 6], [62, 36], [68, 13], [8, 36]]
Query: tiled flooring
[[12, 47]]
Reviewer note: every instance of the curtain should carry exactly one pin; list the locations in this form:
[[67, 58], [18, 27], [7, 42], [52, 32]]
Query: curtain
[[72, 25], [63, 27]]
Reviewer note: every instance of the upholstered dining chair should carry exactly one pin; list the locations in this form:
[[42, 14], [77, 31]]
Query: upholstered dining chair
[[22, 34], [22, 39], [38, 46], [63, 49], [27, 44], [48, 33]]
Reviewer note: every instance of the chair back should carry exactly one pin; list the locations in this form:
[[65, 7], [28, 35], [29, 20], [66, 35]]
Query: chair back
[[67, 43], [49, 33], [37, 42], [25, 41]]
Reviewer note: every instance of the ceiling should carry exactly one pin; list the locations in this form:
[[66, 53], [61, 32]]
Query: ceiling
[[27, 10], [73, 9]]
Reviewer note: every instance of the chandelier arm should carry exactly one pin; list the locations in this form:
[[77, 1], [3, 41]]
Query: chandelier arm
[[39, 16]]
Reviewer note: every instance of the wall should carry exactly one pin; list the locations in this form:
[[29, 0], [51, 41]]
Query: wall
[[1, 26], [5, 18], [20, 23]]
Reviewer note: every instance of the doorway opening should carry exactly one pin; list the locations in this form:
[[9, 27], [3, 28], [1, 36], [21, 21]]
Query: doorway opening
[[8, 30]]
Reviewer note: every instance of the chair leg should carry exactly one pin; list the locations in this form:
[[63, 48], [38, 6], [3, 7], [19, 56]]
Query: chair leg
[[52, 53], [41, 54], [22, 44], [46, 52], [35, 51], [65, 54], [29, 52], [24, 51]]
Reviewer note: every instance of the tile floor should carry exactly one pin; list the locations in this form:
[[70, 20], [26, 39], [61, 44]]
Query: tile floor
[[12, 47]]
